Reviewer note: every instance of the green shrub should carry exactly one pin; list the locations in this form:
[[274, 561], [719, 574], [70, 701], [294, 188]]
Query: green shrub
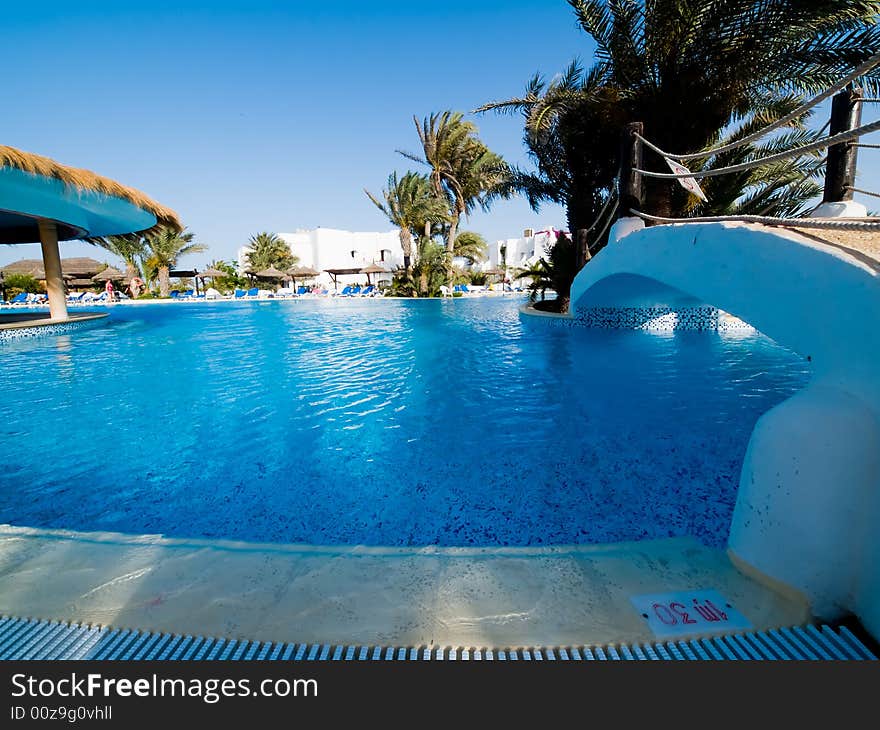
[[17, 283]]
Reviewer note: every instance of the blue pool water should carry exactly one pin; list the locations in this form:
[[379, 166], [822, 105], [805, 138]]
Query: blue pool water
[[381, 423]]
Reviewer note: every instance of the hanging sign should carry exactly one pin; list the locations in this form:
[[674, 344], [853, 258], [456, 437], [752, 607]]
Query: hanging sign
[[688, 183]]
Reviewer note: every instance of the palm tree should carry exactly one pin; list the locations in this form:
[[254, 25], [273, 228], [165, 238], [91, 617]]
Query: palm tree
[[130, 248], [470, 246], [786, 189], [410, 204], [269, 249], [163, 248], [687, 70], [555, 270], [464, 171]]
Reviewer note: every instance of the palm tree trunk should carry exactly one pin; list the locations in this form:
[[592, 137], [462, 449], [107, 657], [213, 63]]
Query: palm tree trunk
[[450, 246], [164, 281], [406, 245], [658, 198], [131, 270]]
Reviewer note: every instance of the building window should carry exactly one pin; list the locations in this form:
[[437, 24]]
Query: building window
[[383, 252]]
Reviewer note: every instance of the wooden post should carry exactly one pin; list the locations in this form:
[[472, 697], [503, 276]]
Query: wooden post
[[52, 269], [630, 188], [840, 169], [582, 249]]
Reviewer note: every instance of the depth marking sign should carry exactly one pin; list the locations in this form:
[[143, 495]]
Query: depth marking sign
[[681, 613]]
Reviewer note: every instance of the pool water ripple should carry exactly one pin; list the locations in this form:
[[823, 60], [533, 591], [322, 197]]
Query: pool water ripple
[[382, 423]]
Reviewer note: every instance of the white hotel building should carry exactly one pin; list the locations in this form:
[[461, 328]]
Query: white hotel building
[[326, 249]]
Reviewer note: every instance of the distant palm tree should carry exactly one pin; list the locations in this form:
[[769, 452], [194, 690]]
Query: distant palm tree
[[463, 170], [470, 246], [411, 204], [269, 249], [130, 248], [164, 247], [555, 270]]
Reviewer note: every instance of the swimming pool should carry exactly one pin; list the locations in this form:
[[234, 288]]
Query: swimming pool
[[389, 422]]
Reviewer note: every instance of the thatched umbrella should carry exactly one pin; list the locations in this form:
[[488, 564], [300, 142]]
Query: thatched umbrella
[[373, 268], [109, 274], [87, 180], [271, 273], [501, 273], [211, 273], [301, 272]]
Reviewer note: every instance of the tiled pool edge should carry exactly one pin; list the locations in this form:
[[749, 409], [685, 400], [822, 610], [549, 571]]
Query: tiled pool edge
[[46, 328], [649, 319]]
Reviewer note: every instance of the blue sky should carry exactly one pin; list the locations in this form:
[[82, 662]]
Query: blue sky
[[270, 116], [250, 116]]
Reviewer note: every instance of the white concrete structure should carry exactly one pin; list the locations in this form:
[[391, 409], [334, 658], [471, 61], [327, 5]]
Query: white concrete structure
[[808, 508], [520, 253], [329, 248]]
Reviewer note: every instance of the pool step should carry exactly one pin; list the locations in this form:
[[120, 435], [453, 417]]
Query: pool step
[[22, 638]]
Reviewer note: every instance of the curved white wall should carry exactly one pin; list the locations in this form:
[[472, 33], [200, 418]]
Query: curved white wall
[[808, 508]]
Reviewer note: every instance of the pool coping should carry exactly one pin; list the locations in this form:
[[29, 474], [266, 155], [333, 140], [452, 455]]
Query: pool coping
[[431, 596]]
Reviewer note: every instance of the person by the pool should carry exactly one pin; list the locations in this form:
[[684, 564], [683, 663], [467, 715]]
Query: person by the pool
[[108, 287]]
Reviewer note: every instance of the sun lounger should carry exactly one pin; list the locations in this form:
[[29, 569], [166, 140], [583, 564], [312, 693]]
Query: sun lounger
[[302, 290], [253, 293], [239, 294], [20, 298], [368, 291], [346, 292]]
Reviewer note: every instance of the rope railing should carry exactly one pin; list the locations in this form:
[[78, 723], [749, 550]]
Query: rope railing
[[863, 192], [605, 228], [803, 108], [796, 152], [612, 196], [865, 146], [838, 224]]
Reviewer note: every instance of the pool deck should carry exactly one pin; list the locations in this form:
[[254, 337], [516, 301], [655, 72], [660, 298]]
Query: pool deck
[[503, 597]]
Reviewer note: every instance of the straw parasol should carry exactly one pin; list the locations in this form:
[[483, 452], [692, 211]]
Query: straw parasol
[[210, 273], [270, 273], [500, 273], [301, 272], [373, 268], [87, 180], [109, 274]]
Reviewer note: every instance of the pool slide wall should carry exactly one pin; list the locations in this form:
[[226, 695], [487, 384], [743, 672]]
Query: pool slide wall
[[807, 513]]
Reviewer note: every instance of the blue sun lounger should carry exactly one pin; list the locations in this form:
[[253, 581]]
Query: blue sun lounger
[[346, 292], [239, 294], [253, 293]]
